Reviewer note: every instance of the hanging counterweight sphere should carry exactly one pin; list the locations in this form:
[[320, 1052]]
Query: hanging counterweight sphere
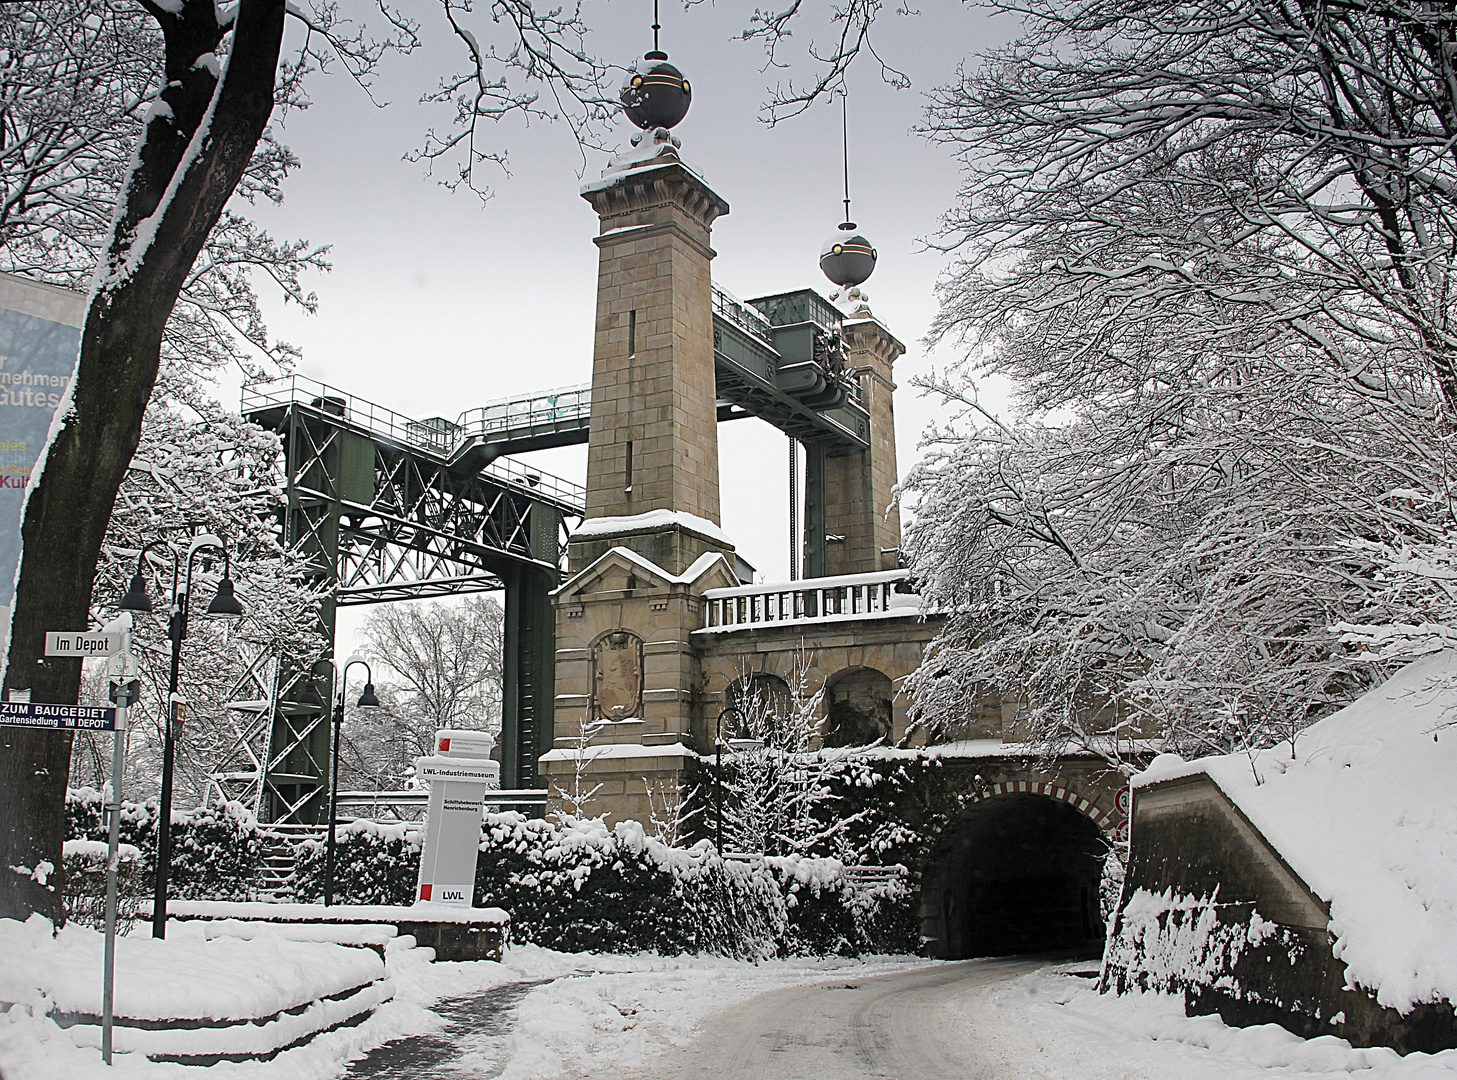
[[847, 258], [656, 95]]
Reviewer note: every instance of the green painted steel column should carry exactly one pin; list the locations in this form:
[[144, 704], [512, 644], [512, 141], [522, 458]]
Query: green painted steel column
[[814, 510], [327, 465], [529, 657]]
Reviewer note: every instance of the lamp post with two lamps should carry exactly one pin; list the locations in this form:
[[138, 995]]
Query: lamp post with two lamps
[[367, 700], [224, 605], [742, 740]]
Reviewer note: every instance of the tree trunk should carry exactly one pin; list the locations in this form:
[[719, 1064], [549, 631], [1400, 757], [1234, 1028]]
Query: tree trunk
[[153, 247]]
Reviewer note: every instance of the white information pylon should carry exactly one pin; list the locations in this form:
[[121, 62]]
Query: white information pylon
[[460, 772]]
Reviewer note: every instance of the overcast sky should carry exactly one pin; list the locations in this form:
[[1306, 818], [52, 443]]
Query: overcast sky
[[438, 303]]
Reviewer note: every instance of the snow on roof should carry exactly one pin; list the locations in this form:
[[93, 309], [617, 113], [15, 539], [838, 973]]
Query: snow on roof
[[1366, 813], [618, 750], [687, 577], [651, 521]]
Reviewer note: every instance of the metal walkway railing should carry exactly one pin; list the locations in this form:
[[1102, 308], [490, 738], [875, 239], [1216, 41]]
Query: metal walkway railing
[[436, 436], [520, 419]]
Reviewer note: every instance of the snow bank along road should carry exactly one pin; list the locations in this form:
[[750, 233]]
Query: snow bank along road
[[1021, 1018], [890, 1026]]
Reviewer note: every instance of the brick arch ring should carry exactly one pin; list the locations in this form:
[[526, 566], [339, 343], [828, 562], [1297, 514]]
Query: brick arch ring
[[1104, 819]]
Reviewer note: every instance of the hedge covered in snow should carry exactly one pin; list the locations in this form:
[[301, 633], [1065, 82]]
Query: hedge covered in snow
[[216, 850], [580, 885], [575, 885], [373, 864]]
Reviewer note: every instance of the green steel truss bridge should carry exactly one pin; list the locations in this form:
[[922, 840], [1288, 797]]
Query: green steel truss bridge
[[392, 508]]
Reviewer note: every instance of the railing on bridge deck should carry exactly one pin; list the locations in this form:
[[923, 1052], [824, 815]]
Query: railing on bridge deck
[[435, 435], [730, 307], [846, 597], [548, 410], [369, 804]]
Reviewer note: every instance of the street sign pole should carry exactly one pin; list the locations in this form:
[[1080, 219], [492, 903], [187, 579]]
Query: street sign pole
[[118, 770]]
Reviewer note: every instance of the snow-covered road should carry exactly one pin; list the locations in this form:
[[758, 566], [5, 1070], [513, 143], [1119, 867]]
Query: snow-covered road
[[543, 1015], [850, 1029]]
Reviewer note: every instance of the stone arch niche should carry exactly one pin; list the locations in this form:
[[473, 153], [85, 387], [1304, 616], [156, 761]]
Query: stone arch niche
[[1015, 872], [760, 692], [859, 707]]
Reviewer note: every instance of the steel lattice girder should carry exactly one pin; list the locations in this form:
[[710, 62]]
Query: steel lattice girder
[[240, 771], [425, 530]]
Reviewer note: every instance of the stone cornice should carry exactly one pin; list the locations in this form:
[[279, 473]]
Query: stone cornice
[[669, 185], [878, 375], [638, 232], [878, 341]]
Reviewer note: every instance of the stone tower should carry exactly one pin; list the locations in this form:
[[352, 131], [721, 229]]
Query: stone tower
[[626, 674], [654, 431], [859, 483]]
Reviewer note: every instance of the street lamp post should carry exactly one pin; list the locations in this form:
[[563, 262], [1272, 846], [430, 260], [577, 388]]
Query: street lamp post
[[367, 700], [224, 605]]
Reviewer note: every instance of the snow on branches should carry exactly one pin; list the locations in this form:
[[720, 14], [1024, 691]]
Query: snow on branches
[[79, 87], [1281, 171], [1211, 244], [217, 477], [777, 781]]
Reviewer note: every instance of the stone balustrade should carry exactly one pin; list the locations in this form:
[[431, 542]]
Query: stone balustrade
[[849, 596]]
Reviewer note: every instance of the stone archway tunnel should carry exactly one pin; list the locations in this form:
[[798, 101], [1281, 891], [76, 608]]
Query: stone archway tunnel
[[1015, 873]]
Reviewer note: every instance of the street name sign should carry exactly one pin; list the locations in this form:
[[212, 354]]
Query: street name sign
[[41, 715], [84, 643]]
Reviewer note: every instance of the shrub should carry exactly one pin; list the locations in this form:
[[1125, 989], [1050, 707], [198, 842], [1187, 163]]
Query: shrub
[[581, 886], [373, 864], [216, 850], [85, 888]]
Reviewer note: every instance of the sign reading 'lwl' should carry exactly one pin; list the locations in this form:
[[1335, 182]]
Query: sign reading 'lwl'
[[40, 340]]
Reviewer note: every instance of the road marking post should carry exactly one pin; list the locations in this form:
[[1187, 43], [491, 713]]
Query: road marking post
[[125, 691]]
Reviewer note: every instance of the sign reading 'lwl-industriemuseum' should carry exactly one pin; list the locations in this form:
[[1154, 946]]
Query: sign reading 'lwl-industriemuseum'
[[40, 339]]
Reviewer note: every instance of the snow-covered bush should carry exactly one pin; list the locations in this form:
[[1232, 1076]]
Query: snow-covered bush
[[85, 884], [373, 864], [580, 885], [828, 912], [216, 850]]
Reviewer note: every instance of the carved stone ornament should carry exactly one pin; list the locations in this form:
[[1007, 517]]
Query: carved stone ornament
[[617, 665]]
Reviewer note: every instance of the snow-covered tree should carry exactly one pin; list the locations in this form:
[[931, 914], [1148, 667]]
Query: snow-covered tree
[[218, 476], [776, 781], [76, 90], [378, 746], [447, 656], [1212, 247], [435, 665], [1289, 170]]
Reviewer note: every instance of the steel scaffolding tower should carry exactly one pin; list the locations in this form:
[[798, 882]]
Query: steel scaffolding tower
[[390, 508]]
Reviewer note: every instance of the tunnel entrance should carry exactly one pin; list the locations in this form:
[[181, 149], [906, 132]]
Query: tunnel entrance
[[1016, 874]]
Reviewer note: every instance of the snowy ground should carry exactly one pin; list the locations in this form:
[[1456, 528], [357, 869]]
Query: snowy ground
[[636, 1016], [1048, 1026]]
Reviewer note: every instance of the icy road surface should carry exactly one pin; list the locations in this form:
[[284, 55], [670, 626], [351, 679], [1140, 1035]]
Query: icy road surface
[[1012, 1019], [881, 1026]]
